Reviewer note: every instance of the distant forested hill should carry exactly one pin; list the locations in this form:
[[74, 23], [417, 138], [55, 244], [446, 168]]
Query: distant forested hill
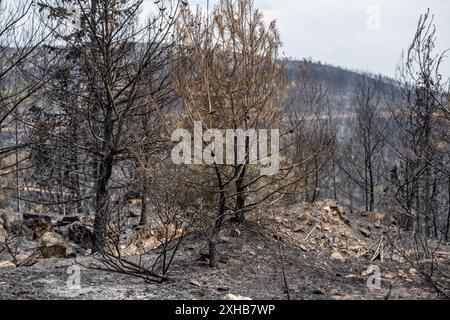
[[340, 83]]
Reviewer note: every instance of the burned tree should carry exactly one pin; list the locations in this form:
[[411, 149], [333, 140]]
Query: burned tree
[[20, 40], [119, 66], [421, 130], [364, 154], [311, 139], [421, 178], [231, 79]]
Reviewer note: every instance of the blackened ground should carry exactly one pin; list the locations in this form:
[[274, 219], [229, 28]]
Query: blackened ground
[[250, 266]]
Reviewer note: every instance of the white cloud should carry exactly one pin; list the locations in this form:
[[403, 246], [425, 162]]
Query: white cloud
[[335, 31]]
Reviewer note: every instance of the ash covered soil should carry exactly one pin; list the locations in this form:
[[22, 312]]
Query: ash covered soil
[[252, 258]]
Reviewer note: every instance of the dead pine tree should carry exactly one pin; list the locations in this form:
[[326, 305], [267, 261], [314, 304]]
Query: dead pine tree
[[311, 139], [116, 58], [21, 39], [421, 178], [364, 160], [231, 77]]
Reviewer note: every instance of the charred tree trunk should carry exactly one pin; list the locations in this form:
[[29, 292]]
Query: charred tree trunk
[[371, 187], [366, 188], [144, 199], [219, 222], [101, 189], [316, 181], [240, 194], [102, 204], [447, 228]]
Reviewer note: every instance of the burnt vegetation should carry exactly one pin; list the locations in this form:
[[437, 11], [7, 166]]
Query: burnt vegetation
[[90, 94]]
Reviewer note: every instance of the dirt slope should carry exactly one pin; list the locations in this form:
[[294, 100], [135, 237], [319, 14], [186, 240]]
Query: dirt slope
[[250, 266]]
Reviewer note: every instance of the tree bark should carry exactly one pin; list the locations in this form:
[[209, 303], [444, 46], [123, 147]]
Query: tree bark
[[447, 228], [240, 194], [372, 187], [144, 210], [218, 224], [101, 190]]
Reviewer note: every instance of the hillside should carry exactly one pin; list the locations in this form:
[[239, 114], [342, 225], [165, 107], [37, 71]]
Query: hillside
[[340, 84], [311, 251]]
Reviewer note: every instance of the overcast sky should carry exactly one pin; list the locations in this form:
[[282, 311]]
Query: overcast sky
[[360, 34]]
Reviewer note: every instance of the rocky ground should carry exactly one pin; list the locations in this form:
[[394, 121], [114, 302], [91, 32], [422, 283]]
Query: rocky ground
[[302, 251]]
